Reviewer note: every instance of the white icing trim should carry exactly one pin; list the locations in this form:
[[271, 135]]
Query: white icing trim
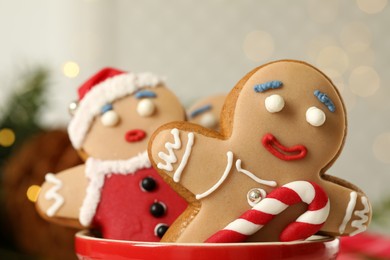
[[254, 177], [170, 157], [304, 189], [186, 156], [52, 194], [348, 212], [221, 180], [243, 226], [105, 92], [96, 171], [270, 206], [315, 217], [359, 224]]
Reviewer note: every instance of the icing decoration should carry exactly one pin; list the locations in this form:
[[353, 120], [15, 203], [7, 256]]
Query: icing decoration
[[255, 195], [148, 184], [268, 85], [106, 107], [102, 93], [158, 209], [72, 108], [221, 180], [323, 98], [252, 176], [145, 94], [52, 194], [160, 230], [170, 157], [200, 110], [135, 135], [110, 118], [208, 120], [348, 213], [96, 170], [145, 107], [359, 224], [274, 103], [275, 203], [315, 116], [282, 152], [186, 156]]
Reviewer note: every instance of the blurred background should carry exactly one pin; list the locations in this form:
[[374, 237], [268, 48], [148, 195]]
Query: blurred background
[[49, 47]]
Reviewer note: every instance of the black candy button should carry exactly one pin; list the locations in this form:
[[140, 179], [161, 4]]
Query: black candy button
[[148, 184], [157, 209], [160, 230]]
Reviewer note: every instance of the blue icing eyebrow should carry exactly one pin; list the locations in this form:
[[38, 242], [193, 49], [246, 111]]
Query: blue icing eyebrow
[[268, 85], [200, 110], [105, 108], [323, 98], [145, 94]]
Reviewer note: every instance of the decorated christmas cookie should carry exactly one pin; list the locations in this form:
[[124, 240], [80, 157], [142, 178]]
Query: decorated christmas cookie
[[264, 176], [116, 191], [206, 112]]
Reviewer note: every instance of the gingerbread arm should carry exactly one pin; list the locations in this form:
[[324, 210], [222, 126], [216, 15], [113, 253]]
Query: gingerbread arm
[[350, 210], [179, 150], [61, 196]]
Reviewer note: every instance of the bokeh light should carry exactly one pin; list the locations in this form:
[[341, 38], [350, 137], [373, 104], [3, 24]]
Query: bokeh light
[[316, 44], [356, 37], [381, 147], [7, 137], [259, 45], [33, 192], [333, 57], [364, 81], [71, 69], [371, 6], [323, 11]]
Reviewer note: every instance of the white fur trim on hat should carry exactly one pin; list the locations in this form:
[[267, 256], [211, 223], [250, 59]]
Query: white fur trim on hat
[[103, 93]]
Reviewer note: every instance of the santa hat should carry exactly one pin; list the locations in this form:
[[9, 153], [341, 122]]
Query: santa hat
[[103, 88]]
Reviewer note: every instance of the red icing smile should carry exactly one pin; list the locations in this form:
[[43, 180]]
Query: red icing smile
[[135, 135], [295, 152]]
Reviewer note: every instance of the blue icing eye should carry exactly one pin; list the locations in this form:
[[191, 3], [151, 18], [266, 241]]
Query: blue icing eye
[[145, 94], [105, 108], [268, 85], [200, 110], [323, 98]]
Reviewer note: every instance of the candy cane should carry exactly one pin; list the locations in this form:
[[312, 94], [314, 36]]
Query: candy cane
[[275, 203]]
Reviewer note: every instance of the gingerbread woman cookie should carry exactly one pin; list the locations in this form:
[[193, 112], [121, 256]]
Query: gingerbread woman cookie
[[263, 177], [116, 191], [206, 112]]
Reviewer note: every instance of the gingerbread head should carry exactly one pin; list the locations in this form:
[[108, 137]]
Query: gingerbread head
[[206, 112], [116, 191], [263, 177]]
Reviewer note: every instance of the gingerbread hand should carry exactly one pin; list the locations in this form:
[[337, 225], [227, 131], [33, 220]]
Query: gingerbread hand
[[282, 127], [62, 195]]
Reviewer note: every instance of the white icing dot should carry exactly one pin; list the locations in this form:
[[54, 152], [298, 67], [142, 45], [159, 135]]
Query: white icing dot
[[145, 107], [208, 120], [274, 103], [315, 116], [110, 118]]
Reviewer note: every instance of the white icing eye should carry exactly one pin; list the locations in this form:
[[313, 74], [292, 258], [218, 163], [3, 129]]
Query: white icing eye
[[208, 120], [315, 116], [274, 103], [110, 118], [146, 107]]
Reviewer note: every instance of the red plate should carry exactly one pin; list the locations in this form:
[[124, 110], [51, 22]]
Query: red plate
[[88, 247]]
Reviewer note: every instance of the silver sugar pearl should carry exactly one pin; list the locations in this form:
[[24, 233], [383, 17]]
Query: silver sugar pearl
[[254, 195], [73, 107]]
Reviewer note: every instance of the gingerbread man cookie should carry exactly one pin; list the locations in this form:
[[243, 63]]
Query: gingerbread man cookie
[[263, 177], [206, 112], [116, 191]]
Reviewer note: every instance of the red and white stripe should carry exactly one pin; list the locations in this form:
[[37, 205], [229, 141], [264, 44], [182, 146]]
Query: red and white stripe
[[275, 203]]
